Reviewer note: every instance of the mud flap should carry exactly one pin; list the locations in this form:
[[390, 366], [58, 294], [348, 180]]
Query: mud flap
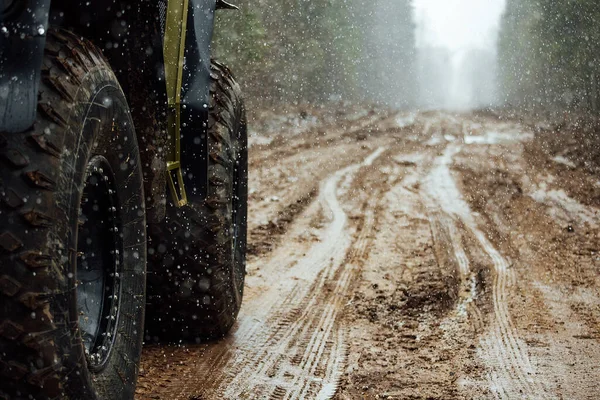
[[23, 27]]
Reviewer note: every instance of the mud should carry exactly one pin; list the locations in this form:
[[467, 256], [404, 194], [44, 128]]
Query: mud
[[406, 256]]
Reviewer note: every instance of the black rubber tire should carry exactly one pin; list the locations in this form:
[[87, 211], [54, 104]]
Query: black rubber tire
[[197, 259], [82, 116]]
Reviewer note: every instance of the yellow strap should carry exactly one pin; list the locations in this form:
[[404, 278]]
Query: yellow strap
[[174, 50]]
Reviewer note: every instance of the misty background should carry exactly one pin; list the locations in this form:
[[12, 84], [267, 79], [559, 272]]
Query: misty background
[[420, 54], [457, 58]]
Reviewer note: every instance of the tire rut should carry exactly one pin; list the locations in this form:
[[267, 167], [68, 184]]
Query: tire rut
[[511, 372], [288, 343], [311, 335], [398, 280]]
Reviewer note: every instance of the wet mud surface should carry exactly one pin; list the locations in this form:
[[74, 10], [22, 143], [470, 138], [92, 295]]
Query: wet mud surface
[[406, 256]]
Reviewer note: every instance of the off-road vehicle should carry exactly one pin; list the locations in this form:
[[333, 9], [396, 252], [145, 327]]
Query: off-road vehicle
[[123, 161]]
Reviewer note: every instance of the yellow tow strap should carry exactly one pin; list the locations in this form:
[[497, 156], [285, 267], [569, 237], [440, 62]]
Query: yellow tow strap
[[174, 48]]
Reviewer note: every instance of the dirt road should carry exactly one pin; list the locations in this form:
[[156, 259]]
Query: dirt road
[[407, 256]]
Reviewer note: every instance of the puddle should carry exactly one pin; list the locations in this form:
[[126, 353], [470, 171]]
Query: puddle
[[406, 120], [494, 137], [562, 207], [564, 161], [434, 141], [441, 186]]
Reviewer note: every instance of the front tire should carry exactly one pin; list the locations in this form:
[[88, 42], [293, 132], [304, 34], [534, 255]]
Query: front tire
[[198, 255], [72, 237]]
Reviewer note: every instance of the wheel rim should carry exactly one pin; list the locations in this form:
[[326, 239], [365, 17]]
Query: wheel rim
[[99, 263]]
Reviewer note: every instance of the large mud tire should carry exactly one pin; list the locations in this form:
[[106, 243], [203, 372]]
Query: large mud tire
[[198, 255], [72, 233]]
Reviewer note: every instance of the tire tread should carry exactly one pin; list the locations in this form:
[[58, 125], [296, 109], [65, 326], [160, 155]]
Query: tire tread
[[29, 169], [195, 236]]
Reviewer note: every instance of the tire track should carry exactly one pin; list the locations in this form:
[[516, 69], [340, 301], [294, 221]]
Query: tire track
[[313, 331], [511, 373], [288, 343], [446, 235], [370, 313], [357, 253]]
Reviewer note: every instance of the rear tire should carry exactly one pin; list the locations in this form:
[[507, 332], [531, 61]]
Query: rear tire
[[72, 237], [198, 255]]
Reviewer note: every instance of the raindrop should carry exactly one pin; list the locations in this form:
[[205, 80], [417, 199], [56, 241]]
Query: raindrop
[[204, 284]]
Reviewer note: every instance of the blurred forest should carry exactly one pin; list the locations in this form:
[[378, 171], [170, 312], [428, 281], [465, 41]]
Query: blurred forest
[[315, 51], [549, 54], [364, 51]]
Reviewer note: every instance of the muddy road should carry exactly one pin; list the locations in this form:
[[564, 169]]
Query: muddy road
[[406, 256]]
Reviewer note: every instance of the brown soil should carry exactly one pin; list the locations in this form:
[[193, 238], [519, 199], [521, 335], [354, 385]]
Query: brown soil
[[429, 256]]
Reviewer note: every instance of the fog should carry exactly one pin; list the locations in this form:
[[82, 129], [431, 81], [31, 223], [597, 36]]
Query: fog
[[403, 54], [456, 44]]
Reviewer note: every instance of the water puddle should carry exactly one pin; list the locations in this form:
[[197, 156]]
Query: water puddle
[[494, 137], [564, 161], [406, 120], [561, 206]]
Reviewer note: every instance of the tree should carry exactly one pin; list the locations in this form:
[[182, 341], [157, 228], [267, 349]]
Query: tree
[[320, 50], [549, 53]]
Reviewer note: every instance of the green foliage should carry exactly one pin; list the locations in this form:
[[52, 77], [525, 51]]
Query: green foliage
[[247, 33], [549, 53], [317, 50]]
